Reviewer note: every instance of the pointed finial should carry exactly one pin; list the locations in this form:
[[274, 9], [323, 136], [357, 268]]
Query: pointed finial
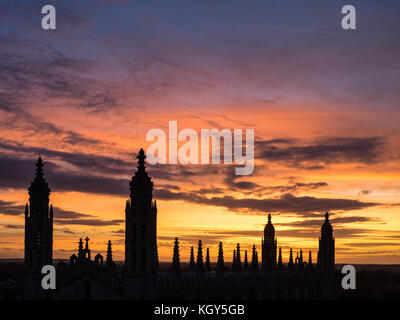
[[220, 263], [176, 258], [39, 168], [87, 242], [109, 258], [141, 160], [269, 218], [327, 216]]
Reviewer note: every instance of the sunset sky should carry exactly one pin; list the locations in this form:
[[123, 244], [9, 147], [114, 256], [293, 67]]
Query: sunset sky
[[324, 104]]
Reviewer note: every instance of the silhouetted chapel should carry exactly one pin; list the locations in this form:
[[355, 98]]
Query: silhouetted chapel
[[140, 277]]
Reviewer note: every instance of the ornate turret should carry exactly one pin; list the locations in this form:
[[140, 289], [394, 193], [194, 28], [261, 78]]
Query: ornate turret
[[109, 259], [280, 263], [191, 261], [220, 262], [269, 245], [38, 233], [199, 261], [208, 262], [238, 259], [81, 256], [301, 259], [246, 262], [326, 252], [254, 260], [176, 263], [310, 264], [141, 185], [290, 263]]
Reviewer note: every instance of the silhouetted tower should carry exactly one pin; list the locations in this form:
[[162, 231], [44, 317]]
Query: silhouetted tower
[[141, 233], [310, 264], [191, 261], [199, 261], [326, 252], [220, 262], [254, 260], [301, 262], [234, 263], [238, 259], [269, 245], [290, 263], [280, 263], [86, 251], [81, 255], [176, 263], [208, 263], [109, 259], [38, 234], [246, 262]]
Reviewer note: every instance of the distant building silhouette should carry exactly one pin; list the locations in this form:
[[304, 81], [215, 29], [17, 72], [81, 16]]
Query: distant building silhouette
[[140, 277]]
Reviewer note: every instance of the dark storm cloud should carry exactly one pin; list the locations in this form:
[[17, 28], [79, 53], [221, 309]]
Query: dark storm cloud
[[324, 151], [10, 208], [287, 203], [84, 161], [13, 174], [61, 217]]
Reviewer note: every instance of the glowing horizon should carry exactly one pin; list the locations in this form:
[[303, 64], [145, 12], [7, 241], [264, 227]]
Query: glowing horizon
[[323, 104]]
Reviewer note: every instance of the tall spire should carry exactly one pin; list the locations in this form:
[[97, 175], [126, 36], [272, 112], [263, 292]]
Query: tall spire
[[290, 263], [176, 263], [109, 258], [208, 262], [141, 185], [280, 263], [301, 259], [199, 261], [310, 264], [238, 259], [39, 184], [191, 262], [39, 169], [326, 251], [141, 250], [220, 263], [254, 259], [80, 250], [141, 160], [269, 246], [246, 262]]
